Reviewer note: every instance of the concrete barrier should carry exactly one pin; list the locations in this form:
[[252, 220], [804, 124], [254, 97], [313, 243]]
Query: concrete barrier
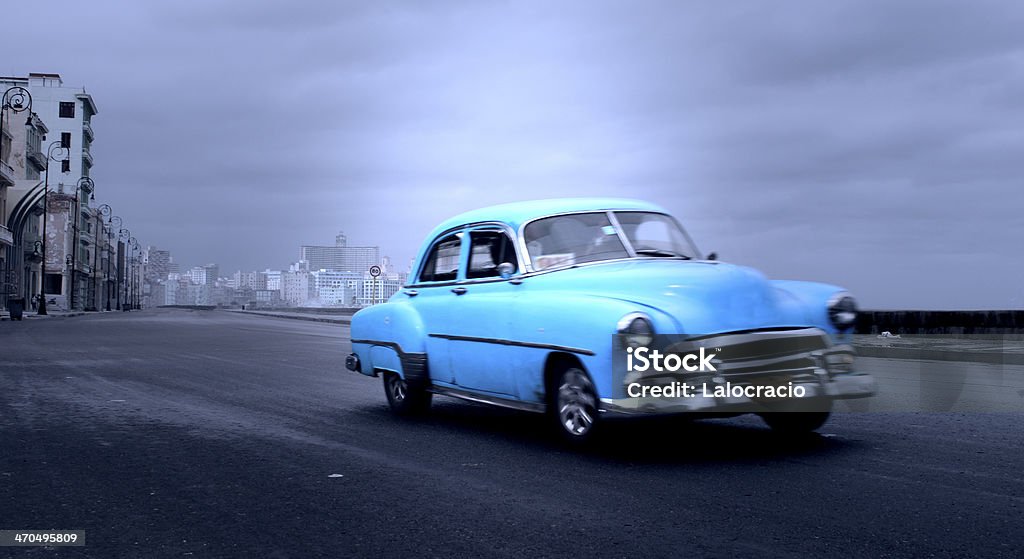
[[941, 322]]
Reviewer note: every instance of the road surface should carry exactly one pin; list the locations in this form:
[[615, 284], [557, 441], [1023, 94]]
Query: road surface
[[173, 433]]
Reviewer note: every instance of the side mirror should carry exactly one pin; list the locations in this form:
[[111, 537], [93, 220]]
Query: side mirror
[[712, 256], [506, 269]]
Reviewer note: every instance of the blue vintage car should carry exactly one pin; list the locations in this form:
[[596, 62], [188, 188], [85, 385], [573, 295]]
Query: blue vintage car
[[552, 306]]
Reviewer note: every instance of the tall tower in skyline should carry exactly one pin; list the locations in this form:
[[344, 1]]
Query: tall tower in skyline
[[340, 257]]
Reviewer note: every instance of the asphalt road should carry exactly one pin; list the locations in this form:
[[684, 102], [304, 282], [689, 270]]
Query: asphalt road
[[170, 433]]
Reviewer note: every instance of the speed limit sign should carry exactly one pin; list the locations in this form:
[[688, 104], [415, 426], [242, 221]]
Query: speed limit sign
[[374, 271]]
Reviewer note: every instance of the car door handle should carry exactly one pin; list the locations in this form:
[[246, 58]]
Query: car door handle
[[459, 290], [411, 292]]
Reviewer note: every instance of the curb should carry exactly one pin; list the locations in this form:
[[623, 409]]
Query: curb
[[27, 316], [915, 354]]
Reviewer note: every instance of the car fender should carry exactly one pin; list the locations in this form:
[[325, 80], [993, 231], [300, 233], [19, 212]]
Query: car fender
[[814, 298], [390, 337], [580, 326]]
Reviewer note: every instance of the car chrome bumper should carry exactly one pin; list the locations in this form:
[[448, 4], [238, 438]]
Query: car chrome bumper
[[845, 386]]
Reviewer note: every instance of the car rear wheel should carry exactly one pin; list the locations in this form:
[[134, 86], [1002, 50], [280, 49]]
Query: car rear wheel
[[403, 398], [573, 406]]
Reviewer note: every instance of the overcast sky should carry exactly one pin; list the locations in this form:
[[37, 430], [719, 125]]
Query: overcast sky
[[872, 144]]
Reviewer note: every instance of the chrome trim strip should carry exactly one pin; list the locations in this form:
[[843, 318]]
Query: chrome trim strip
[[743, 336], [392, 345], [515, 343], [614, 220], [486, 399]]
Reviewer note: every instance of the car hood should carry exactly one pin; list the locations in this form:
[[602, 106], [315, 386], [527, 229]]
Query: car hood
[[702, 297]]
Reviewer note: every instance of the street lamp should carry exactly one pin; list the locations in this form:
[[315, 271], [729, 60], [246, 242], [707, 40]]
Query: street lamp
[[108, 231], [136, 276], [86, 184], [117, 276], [103, 211], [124, 235], [68, 263], [52, 152], [17, 99]]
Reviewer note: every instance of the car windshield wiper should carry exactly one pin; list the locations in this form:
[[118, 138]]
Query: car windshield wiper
[[660, 252]]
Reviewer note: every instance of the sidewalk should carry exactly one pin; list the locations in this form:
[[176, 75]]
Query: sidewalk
[[50, 313]]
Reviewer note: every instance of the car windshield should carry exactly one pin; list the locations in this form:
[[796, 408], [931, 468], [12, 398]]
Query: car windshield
[[653, 234], [567, 240]]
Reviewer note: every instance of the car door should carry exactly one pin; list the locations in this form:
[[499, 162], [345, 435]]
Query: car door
[[431, 294], [482, 304]]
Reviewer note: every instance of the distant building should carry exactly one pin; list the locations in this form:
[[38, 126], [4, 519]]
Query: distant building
[[379, 289], [212, 273], [340, 257], [158, 264], [267, 297], [197, 275], [271, 279], [297, 289], [337, 289], [249, 280]]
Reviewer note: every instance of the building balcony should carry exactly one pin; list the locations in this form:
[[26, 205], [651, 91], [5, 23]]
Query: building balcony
[[87, 130], [6, 237], [86, 157], [35, 158], [7, 176]]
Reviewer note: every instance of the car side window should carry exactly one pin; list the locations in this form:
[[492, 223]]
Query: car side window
[[487, 250], [442, 264]]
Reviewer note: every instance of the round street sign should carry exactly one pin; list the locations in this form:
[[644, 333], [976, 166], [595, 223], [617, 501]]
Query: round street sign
[[374, 271]]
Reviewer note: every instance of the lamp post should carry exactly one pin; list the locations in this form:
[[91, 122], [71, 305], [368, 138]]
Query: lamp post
[[36, 256], [86, 184], [52, 153], [117, 276], [103, 211], [69, 264], [136, 275], [17, 99], [124, 235], [108, 232]]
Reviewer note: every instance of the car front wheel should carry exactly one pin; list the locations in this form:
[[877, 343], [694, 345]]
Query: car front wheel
[[403, 398], [574, 406]]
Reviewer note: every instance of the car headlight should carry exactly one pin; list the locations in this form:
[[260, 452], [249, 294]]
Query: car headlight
[[842, 311], [636, 330]]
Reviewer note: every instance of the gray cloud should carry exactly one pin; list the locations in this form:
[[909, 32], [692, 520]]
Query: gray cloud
[[870, 144]]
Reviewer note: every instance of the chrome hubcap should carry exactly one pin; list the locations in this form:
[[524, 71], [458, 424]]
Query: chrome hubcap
[[397, 386], [576, 403]]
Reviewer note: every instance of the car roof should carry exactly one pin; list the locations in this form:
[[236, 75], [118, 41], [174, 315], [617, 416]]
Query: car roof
[[517, 213]]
